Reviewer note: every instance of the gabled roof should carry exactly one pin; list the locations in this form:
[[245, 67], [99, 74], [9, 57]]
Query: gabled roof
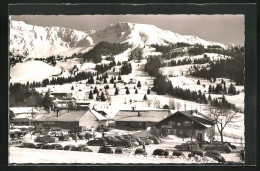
[[145, 115], [97, 115], [195, 116], [70, 116]]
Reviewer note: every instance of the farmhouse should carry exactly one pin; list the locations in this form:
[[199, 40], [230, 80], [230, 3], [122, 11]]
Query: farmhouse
[[69, 119], [187, 124], [140, 119]]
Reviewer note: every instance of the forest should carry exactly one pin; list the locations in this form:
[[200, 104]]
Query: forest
[[104, 48]]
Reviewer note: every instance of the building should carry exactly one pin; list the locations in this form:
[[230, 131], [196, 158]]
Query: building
[[139, 119], [187, 124], [69, 119], [59, 95], [22, 115], [64, 103]]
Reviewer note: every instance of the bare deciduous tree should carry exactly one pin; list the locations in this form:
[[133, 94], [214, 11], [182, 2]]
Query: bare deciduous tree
[[177, 106], [222, 116], [156, 103], [172, 104]]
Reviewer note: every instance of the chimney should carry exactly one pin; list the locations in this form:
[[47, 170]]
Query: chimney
[[139, 114], [49, 109], [57, 115]]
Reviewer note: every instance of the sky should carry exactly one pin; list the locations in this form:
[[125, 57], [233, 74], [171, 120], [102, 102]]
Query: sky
[[217, 28]]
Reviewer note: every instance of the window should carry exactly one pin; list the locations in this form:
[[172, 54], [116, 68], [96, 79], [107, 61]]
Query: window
[[178, 124], [187, 123], [171, 123], [49, 122]]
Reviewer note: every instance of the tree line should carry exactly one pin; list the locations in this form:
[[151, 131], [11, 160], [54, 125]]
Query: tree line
[[104, 48], [232, 68], [162, 87], [126, 68], [24, 95]]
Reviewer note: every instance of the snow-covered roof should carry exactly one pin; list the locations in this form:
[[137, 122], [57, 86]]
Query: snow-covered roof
[[69, 116], [98, 115], [141, 115], [23, 116], [21, 110]]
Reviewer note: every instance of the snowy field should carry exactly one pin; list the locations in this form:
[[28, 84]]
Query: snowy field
[[32, 71]]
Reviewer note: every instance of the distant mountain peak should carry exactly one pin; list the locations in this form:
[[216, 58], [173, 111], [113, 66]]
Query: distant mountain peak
[[37, 41]]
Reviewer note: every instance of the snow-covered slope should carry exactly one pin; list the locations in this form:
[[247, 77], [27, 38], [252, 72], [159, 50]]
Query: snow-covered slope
[[145, 34], [37, 42], [32, 71]]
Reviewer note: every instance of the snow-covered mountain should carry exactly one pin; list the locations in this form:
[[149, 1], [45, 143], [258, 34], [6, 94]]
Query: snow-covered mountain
[[37, 42], [145, 34]]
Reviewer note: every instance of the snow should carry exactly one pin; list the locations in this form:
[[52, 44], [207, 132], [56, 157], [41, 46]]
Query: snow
[[175, 70], [87, 65], [32, 71], [23, 155], [186, 81], [211, 56], [98, 115], [40, 42], [19, 110]]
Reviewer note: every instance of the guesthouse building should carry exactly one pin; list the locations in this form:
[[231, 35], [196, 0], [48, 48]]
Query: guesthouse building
[[186, 124], [69, 119]]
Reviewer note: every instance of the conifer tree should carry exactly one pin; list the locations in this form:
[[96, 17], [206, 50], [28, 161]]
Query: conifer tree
[[145, 97], [136, 92], [148, 91], [127, 91], [90, 96], [116, 91], [209, 98], [102, 98], [112, 80], [105, 80], [210, 89], [139, 84], [95, 90], [198, 82]]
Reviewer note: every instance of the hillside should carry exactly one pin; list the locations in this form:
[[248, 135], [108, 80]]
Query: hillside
[[32, 71]]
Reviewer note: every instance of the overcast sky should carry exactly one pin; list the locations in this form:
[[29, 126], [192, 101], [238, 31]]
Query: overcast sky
[[217, 28]]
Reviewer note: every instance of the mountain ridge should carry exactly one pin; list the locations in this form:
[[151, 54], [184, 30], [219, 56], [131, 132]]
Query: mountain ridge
[[40, 42]]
